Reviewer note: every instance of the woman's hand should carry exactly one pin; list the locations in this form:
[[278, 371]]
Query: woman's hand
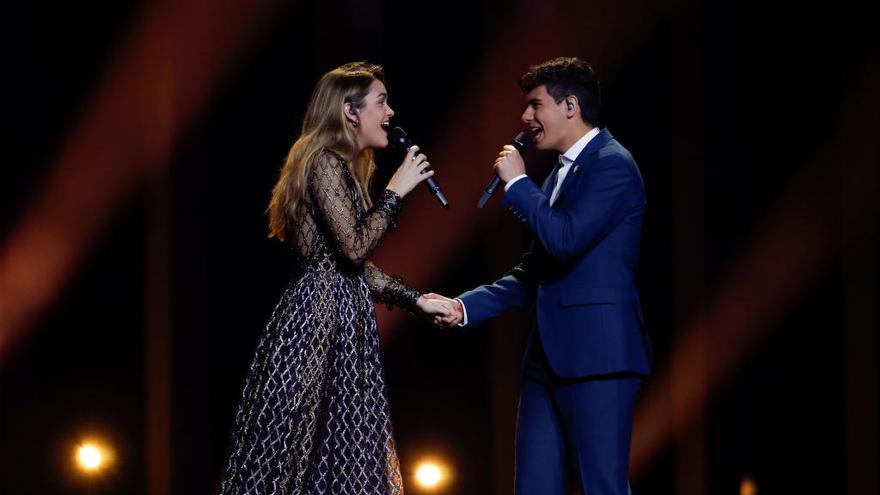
[[410, 172], [455, 315], [434, 308]]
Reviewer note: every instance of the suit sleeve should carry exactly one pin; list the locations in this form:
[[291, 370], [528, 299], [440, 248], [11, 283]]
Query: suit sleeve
[[570, 231], [511, 291]]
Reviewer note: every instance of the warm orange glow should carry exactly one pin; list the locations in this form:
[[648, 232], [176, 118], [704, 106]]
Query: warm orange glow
[[160, 78], [428, 475], [773, 271], [92, 457], [432, 475], [748, 487], [89, 457]]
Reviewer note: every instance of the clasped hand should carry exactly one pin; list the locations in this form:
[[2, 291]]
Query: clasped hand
[[444, 312]]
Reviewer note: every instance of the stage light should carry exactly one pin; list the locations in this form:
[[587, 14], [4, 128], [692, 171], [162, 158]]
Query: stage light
[[748, 487], [90, 457], [428, 475], [431, 475]]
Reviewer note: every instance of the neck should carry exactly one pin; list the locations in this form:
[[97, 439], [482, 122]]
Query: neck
[[576, 132]]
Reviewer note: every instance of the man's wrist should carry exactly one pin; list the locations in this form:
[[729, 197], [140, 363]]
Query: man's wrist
[[514, 180], [464, 318]]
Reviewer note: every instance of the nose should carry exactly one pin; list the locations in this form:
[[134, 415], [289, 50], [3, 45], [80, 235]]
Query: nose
[[390, 112], [528, 115]]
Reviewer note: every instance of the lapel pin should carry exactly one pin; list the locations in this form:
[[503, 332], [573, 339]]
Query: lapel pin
[[575, 169]]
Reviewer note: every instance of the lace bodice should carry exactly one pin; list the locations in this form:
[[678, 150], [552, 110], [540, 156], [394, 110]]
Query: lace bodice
[[335, 229]]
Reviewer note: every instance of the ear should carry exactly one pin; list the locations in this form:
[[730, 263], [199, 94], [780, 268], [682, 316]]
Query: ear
[[572, 106], [350, 112]]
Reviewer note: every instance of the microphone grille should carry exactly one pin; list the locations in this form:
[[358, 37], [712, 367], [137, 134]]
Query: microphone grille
[[523, 141], [398, 139]]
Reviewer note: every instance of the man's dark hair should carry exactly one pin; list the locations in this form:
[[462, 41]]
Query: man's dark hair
[[567, 76]]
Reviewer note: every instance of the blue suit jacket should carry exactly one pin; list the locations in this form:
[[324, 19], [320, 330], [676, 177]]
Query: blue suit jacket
[[580, 271]]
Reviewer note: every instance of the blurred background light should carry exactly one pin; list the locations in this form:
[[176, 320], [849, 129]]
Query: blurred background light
[[92, 457], [431, 474], [748, 487]]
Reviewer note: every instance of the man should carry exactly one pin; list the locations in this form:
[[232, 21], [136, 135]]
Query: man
[[588, 351]]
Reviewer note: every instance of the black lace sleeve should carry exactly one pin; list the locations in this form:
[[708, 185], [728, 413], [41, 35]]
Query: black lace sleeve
[[390, 290], [355, 235]]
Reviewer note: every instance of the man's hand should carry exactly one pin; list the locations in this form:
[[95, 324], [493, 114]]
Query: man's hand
[[455, 311], [509, 164]]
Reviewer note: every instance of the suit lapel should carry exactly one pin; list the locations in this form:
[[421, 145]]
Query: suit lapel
[[583, 161]]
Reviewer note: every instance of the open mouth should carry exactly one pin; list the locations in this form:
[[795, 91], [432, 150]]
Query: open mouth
[[386, 126], [537, 132]]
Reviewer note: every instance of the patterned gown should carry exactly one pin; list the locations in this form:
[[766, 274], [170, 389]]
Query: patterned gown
[[313, 416]]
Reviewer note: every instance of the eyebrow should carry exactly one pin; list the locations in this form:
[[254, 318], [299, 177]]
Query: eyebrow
[[382, 95], [534, 101]]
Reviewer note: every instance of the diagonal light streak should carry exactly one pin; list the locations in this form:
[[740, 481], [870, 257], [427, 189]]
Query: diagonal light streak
[[154, 86], [487, 116], [790, 252]]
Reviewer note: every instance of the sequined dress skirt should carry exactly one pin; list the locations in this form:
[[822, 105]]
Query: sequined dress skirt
[[313, 416]]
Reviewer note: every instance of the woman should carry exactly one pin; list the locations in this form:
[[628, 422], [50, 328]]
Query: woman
[[313, 416]]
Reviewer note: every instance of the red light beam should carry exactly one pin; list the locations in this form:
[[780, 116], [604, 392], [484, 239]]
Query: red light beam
[[158, 81]]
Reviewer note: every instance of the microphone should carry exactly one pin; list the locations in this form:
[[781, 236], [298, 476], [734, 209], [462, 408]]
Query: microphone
[[522, 142], [401, 142]]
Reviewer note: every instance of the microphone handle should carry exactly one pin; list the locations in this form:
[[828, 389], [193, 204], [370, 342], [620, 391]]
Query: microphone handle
[[432, 186], [404, 143], [430, 183], [521, 142], [489, 191]]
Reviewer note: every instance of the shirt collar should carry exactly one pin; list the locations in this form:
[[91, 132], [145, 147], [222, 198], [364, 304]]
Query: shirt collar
[[572, 153]]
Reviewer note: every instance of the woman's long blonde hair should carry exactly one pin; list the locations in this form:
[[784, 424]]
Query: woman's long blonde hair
[[325, 127]]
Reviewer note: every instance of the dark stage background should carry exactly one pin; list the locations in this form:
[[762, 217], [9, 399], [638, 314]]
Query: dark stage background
[[141, 140]]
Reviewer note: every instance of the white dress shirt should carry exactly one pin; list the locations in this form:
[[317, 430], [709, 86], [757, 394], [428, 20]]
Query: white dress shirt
[[567, 158], [565, 161]]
